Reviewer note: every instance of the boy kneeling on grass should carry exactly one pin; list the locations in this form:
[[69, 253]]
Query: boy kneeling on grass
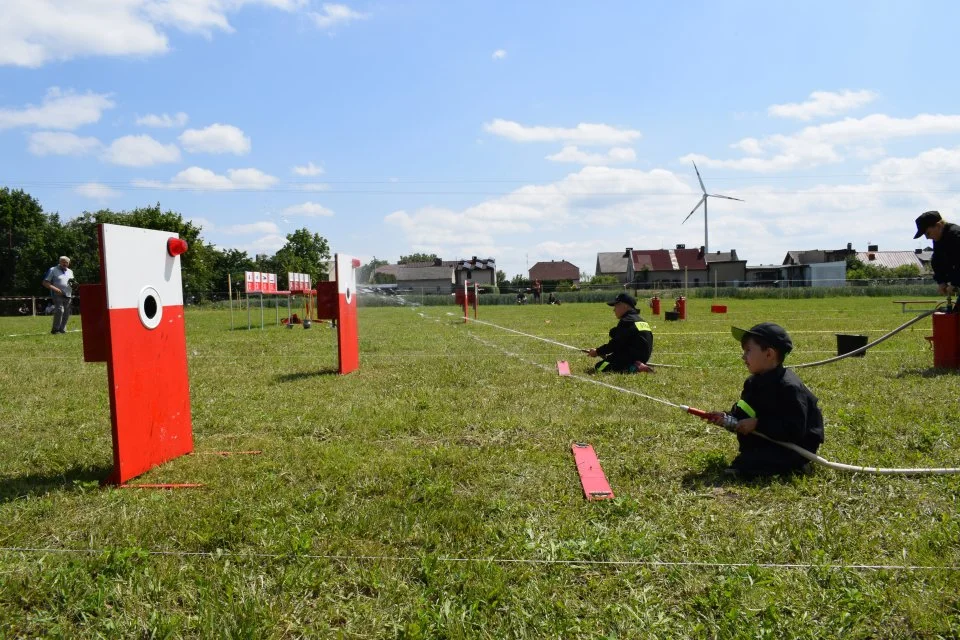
[[631, 341], [775, 403]]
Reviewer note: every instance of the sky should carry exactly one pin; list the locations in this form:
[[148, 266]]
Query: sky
[[525, 132]]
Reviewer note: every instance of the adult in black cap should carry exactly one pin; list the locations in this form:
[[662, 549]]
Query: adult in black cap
[[946, 249], [631, 341], [774, 402]]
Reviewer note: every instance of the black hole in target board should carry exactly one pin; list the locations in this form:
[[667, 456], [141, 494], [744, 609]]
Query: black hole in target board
[[150, 307]]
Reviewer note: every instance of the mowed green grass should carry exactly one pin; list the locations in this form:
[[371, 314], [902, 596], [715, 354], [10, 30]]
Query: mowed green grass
[[433, 493]]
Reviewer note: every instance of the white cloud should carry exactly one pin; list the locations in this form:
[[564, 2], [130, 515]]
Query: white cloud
[[58, 110], [251, 179], [594, 196], [217, 138], [336, 14], [179, 119], [140, 151], [268, 244], [499, 54], [253, 227], [308, 209], [823, 103], [34, 32], [205, 223], [96, 191], [583, 133], [616, 155], [829, 143], [61, 143], [199, 179], [608, 208], [308, 169], [922, 172]]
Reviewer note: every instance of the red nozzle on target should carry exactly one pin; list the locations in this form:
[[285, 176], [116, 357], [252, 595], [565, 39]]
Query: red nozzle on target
[[176, 246]]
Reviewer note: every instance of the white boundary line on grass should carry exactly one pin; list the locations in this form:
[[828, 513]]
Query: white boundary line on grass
[[213, 555]]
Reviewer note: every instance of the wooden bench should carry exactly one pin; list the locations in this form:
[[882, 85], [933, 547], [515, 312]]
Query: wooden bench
[[903, 303]]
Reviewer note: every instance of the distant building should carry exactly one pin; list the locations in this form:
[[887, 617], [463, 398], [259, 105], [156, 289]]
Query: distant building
[[893, 259], [479, 270], [816, 256], [725, 268], [554, 271], [666, 267], [437, 278], [818, 274], [440, 276], [614, 264]]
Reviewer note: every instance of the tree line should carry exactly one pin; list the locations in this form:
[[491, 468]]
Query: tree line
[[31, 241]]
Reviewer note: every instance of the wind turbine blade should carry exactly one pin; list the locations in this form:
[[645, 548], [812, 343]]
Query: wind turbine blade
[[702, 200], [716, 195], [699, 178]]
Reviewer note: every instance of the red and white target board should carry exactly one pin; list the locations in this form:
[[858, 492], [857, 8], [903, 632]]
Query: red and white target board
[[133, 321], [337, 300], [298, 282]]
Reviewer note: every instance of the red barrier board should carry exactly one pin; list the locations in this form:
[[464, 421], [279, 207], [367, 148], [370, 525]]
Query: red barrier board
[[348, 340], [144, 345], [595, 485]]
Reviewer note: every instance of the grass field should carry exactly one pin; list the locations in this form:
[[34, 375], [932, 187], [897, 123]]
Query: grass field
[[432, 494]]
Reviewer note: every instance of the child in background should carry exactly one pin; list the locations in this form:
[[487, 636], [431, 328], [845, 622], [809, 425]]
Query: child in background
[[775, 403], [631, 341]]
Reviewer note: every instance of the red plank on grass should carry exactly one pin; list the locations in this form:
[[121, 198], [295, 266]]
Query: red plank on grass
[[563, 367], [595, 485]]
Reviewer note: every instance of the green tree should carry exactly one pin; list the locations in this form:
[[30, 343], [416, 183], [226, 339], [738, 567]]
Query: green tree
[[859, 270], [233, 262], [603, 282], [30, 243], [520, 281], [197, 263], [419, 257], [366, 273], [304, 252]]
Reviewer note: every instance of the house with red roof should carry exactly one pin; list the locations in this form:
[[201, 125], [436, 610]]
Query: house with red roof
[[555, 271], [664, 267]]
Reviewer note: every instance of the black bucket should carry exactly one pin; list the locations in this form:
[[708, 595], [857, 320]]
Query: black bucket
[[671, 315], [847, 343]]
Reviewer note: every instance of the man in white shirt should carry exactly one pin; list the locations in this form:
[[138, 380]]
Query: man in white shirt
[[57, 281]]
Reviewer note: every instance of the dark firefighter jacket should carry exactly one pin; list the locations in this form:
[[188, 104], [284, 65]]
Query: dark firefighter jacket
[[785, 410], [946, 256], [631, 340]]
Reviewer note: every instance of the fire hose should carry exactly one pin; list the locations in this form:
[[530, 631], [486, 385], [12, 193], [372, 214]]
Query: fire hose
[[730, 422], [867, 346]]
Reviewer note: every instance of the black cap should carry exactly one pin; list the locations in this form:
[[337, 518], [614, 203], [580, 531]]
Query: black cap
[[625, 298], [772, 334], [925, 220]]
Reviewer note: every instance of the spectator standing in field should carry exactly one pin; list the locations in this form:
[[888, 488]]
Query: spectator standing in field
[[57, 280], [537, 290], [946, 249]]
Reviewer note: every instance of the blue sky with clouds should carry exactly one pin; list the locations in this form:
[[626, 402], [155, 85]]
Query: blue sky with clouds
[[519, 131]]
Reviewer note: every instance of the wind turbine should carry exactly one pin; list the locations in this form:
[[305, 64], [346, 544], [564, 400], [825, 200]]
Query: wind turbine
[[703, 201]]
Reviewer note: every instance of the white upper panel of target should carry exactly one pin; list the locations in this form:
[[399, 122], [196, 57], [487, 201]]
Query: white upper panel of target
[[346, 276], [138, 267]]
